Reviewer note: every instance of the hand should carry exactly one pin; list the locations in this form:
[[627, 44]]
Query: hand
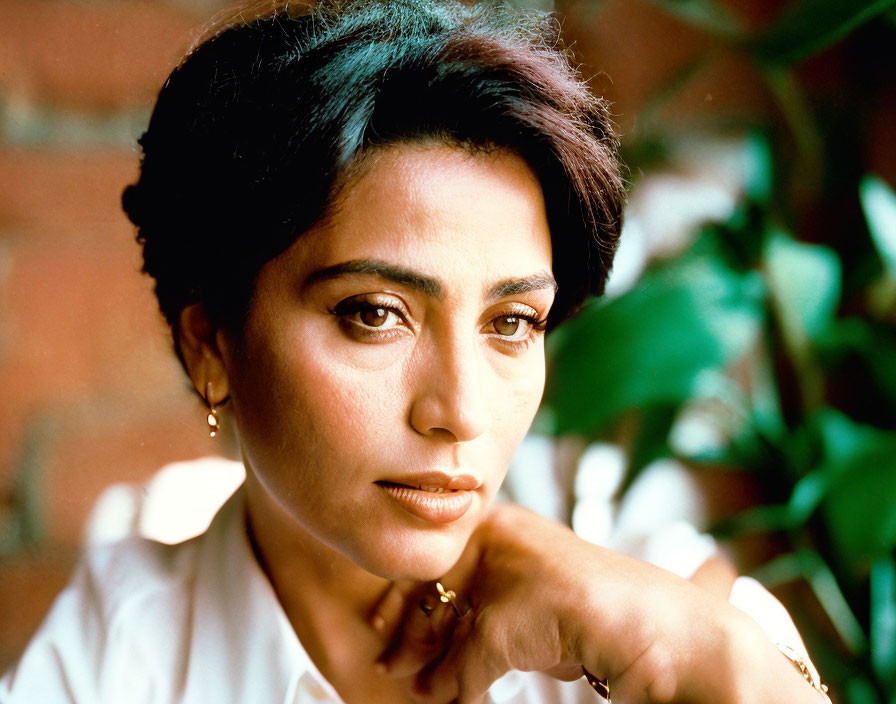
[[541, 599], [501, 573]]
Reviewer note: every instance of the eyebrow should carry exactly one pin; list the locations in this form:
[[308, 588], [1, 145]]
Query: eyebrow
[[384, 270], [512, 287], [426, 284]]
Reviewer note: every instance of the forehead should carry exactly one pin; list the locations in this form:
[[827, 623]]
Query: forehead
[[440, 209]]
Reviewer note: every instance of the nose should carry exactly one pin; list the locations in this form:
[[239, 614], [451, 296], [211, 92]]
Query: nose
[[450, 398]]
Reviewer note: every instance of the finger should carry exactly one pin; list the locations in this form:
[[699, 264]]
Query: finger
[[386, 614], [423, 640], [442, 688], [469, 670], [567, 673]]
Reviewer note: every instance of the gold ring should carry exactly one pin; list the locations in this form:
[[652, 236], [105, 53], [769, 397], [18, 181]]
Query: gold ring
[[602, 687], [449, 597]]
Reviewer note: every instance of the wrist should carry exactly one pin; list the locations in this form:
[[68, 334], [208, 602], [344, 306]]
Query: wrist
[[635, 626], [732, 664], [753, 668]]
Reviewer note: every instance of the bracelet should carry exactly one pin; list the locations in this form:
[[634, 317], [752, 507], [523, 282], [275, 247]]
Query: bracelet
[[800, 664], [602, 687]]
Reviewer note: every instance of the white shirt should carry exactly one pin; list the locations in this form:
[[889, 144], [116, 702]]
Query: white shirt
[[194, 623], [198, 622]]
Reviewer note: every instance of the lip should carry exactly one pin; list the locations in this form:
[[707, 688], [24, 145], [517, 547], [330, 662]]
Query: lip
[[434, 497], [436, 480]]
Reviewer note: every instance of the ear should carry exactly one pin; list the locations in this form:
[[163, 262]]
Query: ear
[[197, 339]]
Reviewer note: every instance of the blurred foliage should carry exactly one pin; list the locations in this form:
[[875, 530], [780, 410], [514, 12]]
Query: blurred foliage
[[777, 327]]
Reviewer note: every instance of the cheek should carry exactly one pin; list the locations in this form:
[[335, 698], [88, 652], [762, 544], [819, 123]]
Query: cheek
[[517, 398], [306, 401], [354, 408]]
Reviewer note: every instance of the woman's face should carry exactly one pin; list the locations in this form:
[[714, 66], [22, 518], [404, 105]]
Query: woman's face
[[393, 359]]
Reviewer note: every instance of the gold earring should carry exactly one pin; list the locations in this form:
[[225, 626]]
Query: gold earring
[[212, 418]]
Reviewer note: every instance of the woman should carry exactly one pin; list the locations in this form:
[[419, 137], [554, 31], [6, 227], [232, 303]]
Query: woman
[[362, 218]]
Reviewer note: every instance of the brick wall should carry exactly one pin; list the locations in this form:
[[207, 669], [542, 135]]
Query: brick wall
[[90, 393]]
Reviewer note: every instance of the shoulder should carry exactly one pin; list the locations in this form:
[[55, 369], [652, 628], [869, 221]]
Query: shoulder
[[128, 586], [126, 604]]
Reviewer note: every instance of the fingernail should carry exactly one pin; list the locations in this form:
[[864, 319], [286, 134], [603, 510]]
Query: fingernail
[[378, 623], [426, 605]]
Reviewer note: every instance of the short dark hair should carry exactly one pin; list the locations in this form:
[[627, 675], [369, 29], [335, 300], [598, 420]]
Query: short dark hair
[[253, 130]]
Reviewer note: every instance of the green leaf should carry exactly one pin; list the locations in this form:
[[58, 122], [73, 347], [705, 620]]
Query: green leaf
[[807, 26], [806, 496], [859, 690], [651, 442], [883, 619], [804, 284], [649, 346], [25, 522], [842, 440], [879, 204], [705, 15], [873, 345], [759, 168], [799, 116], [860, 509], [809, 565], [805, 281], [758, 519]]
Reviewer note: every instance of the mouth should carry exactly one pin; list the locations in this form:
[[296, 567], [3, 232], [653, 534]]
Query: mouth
[[433, 502], [418, 487], [434, 482]]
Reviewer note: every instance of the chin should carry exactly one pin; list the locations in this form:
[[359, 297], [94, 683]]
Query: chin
[[415, 558]]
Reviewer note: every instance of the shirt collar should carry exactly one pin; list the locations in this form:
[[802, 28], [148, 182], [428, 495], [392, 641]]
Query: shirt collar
[[243, 623]]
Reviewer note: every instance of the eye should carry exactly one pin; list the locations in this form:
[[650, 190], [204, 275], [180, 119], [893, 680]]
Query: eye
[[375, 317], [510, 325], [360, 315], [516, 328]]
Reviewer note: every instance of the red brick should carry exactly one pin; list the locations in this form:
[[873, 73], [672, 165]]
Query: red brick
[[12, 427], [77, 324], [66, 194], [756, 13], [96, 55], [634, 47], [74, 309], [123, 442], [637, 48], [79, 319], [28, 586], [729, 89]]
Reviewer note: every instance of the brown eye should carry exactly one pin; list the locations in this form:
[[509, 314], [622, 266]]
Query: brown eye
[[507, 325], [374, 317]]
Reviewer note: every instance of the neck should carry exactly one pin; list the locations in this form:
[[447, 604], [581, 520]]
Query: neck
[[327, 597]]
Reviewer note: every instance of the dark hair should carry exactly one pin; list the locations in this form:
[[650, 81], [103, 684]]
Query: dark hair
[[253, 130]]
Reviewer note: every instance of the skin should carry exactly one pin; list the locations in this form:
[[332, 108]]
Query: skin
[[402, 336]]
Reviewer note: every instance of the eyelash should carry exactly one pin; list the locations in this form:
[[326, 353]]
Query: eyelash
[[345, 310], [536, 325], [356, 305]]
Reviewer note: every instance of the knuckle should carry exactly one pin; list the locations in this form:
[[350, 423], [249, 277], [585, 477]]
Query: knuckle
[[651, 677]]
